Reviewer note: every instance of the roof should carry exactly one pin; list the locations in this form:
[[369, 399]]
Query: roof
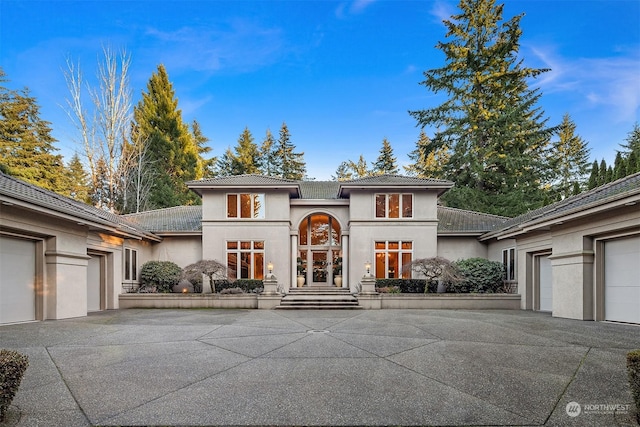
[[245, 181], [178, 219], [14, 191], [579, 204], [319, 189], [188, 219], [393, 182], [460, 221]]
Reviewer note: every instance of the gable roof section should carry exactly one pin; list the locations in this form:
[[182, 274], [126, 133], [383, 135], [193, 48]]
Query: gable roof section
[[623, 191], [459, 221], [319, 189], [175, 220], [249, 181], [17, 192], [393, 182]]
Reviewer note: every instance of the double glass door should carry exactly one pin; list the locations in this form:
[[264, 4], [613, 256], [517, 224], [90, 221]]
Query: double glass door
[[318, 249]]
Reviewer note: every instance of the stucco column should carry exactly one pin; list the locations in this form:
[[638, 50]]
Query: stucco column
[[345, 260], [294, 261]]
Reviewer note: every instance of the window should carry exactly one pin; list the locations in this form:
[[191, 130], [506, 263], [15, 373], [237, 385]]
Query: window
[[131, 265], [245, 205], [509, 261], [394, 205], [391, 256], [245, 259]]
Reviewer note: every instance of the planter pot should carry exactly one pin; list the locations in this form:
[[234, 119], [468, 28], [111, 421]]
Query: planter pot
[[300, 281], [338, 281]]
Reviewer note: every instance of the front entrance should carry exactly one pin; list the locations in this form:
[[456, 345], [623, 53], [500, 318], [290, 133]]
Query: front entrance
[[319, 249]]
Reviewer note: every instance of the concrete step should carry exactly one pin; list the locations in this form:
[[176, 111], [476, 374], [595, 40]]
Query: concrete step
[[319, 298]]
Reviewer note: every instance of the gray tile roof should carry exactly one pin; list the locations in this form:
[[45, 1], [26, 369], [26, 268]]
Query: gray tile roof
[[175, 220], [319, 189], [248, 179], [606, 193], [18, 190], [451, 220], [395, 180]]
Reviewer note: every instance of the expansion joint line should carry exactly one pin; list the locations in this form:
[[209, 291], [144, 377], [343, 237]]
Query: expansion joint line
[[573, 377], [64, 381]]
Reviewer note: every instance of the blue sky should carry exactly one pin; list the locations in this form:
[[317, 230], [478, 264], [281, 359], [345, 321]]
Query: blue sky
[[341, 74]]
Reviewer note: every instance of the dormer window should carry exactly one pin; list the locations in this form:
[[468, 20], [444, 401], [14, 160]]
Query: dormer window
[[394, 205], [245, 205]]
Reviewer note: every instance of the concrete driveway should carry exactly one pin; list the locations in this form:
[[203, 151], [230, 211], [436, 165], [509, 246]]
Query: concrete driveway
[[273, 367]]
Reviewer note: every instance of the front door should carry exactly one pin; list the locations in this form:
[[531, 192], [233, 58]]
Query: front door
[[320, 274]]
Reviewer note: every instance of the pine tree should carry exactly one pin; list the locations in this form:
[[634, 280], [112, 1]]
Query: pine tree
[[385, 164], [173, 153], [246, 159], [428, 161], [26, 145], [569, 159], [619, 166], [497, 135], [291, 164], [224, 164], [631, 152], [270, 163], [79, 186], [602, 173]]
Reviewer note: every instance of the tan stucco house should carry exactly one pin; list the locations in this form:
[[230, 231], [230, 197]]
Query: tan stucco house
[[59, 258]]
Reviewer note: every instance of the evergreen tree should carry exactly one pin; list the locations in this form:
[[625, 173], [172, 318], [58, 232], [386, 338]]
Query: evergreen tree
[[619, 167], [26, 145], [208, 165], [631, 152], [594, 175], [292, 165], [427, 163], [172, 150], [498, 137], [246, 159], [385, 164], [224, 164], [602, 173], [79, 185], [343, 173], [569, 159], [270, 162]]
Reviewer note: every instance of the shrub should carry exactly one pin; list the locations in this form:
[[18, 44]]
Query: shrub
[[247, 285], [12, 368], [435, 269], [162, 275], [480, 276], [411, 286], [231, 291], [633, 369]]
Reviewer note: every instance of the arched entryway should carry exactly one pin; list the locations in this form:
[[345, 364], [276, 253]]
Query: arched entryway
[[319, 250]]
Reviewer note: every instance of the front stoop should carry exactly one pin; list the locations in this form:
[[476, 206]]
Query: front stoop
[[327, 298]]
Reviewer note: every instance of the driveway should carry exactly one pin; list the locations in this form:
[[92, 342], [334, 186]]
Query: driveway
[[277, 367]]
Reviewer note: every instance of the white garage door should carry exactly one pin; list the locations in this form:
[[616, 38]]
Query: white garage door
[[94, 277], [545, 283], [17, 280], [621, 280]]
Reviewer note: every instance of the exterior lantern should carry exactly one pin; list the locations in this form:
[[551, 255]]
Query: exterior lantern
[[367, 267], [270, 268]]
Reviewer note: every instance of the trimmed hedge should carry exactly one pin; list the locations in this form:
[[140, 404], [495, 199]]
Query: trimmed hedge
[[480, 276], [161, 275], [633, 369], [409, 286], [247, 285], [12, 368]]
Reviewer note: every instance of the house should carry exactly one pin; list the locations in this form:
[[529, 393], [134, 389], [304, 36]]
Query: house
[[60, 258]]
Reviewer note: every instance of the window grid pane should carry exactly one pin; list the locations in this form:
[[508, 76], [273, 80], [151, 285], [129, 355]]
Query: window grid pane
[[407, 206], [390, 259], [134, 265], [232, 205], [381, 205]]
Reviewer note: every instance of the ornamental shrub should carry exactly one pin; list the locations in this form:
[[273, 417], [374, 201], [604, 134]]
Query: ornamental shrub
[[12, 368], [247, 285], [480, 276], [409, 286], [633, 369], [161, 275]]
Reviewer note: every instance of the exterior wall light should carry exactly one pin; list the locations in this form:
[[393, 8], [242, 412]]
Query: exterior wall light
[[270, 268], [367, 267]]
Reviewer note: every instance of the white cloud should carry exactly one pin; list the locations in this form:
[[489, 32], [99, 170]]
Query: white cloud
[[611, 83], [352, 8], [442, 10]]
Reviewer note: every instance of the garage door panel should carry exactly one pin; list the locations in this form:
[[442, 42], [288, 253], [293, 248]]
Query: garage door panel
[[622, 282], [545, 284], [17, 280]]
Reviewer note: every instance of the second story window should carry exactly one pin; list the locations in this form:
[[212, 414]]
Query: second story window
[[245, 205], [394, 205]]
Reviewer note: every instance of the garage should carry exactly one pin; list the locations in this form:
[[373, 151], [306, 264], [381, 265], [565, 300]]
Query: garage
[[621, 280], [18, 273], [545, 281]]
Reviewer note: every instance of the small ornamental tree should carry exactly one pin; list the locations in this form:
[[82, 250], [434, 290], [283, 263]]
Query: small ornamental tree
[[211, 268], [435, 269], [161, 275], [12, 368]]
